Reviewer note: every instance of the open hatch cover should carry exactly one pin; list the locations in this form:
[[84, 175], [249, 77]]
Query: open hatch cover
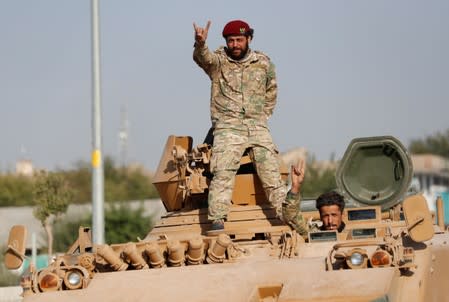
[[375, 171]]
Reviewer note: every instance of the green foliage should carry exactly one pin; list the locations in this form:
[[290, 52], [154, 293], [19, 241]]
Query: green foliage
[[434, 144], [121, 184], [66, 232], [51, 195], [80, 179], [317, 180], [122, 224], [15, 190], [126, 183], [7, 278]]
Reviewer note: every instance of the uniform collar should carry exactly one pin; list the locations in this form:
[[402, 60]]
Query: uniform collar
[[250, 56]]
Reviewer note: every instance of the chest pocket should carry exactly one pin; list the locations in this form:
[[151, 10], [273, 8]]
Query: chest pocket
[[255, 79], [231, 79]]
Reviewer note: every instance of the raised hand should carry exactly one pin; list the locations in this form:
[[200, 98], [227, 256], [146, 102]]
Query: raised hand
[[297, 175], [201, 33]]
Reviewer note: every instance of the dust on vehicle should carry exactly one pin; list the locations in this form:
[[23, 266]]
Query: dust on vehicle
[[390, 250]]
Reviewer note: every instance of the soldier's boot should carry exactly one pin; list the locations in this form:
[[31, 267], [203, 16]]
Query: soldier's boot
[[217, 227], [217, 224]]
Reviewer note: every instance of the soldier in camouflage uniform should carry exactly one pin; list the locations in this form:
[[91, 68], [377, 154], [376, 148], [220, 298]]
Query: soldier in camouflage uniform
[[330, 206], [243, 96]]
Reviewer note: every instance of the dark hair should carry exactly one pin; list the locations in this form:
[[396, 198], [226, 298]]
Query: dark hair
[[329, 199]]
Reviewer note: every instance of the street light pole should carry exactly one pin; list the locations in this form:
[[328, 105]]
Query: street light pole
[[97, 157]]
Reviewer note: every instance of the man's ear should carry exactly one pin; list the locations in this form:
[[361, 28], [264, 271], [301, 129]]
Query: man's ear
[[249, 39]]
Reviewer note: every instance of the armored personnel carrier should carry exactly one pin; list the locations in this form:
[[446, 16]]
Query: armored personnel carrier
[[389, 250]]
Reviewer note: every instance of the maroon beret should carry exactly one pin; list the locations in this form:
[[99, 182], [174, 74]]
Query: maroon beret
[[237, 27]]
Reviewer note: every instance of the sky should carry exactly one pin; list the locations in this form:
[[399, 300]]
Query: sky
[[345, 69]]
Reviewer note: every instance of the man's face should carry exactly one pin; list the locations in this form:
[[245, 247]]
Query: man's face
[[237, 46], [331, 217]]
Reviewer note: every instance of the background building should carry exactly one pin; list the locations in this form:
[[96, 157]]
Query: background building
[[431, 176]]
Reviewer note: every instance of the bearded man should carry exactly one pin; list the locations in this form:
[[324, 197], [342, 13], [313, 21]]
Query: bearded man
[[243, 97]]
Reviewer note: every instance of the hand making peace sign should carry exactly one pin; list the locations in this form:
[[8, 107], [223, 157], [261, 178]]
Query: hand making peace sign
[[297, 175], [201, 33]]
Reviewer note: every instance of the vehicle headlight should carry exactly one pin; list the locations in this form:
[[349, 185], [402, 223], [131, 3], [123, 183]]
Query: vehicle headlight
[[48, 281], [73, 279], [380, 258], [357, 258]]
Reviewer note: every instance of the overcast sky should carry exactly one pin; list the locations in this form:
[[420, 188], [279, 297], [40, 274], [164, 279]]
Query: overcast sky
[[345, 69]]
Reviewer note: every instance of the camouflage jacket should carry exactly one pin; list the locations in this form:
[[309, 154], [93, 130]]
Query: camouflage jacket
[[292, 215], [243, 93]]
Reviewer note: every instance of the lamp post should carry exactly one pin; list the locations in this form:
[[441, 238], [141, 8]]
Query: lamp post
[[97, 156]]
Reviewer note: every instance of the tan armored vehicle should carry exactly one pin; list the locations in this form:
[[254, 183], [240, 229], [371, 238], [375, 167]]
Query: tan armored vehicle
[[390, 249]]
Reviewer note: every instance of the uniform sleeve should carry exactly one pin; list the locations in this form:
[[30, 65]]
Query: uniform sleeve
[[206, 59], [292, 215], [271, 90]]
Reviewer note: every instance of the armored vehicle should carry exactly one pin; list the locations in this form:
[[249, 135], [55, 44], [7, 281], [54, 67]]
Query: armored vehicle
[[389, 250]]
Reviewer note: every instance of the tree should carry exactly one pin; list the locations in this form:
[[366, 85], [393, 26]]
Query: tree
[[122, 224], [66, 231], [435, 144], [52, 196], [125, 224], [15, 190], [126, 183], [80, 179], [121, 184], [318, 180]]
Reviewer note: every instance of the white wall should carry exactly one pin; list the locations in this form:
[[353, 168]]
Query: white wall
[[10, 294]]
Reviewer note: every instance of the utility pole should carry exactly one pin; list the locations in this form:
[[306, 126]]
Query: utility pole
[[97, 156]]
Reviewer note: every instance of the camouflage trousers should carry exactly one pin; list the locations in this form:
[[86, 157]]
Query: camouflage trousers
[[228, 148]]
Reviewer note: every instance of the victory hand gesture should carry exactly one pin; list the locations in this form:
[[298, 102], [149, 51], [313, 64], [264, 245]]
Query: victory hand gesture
[[201, 33], [297, 175]]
